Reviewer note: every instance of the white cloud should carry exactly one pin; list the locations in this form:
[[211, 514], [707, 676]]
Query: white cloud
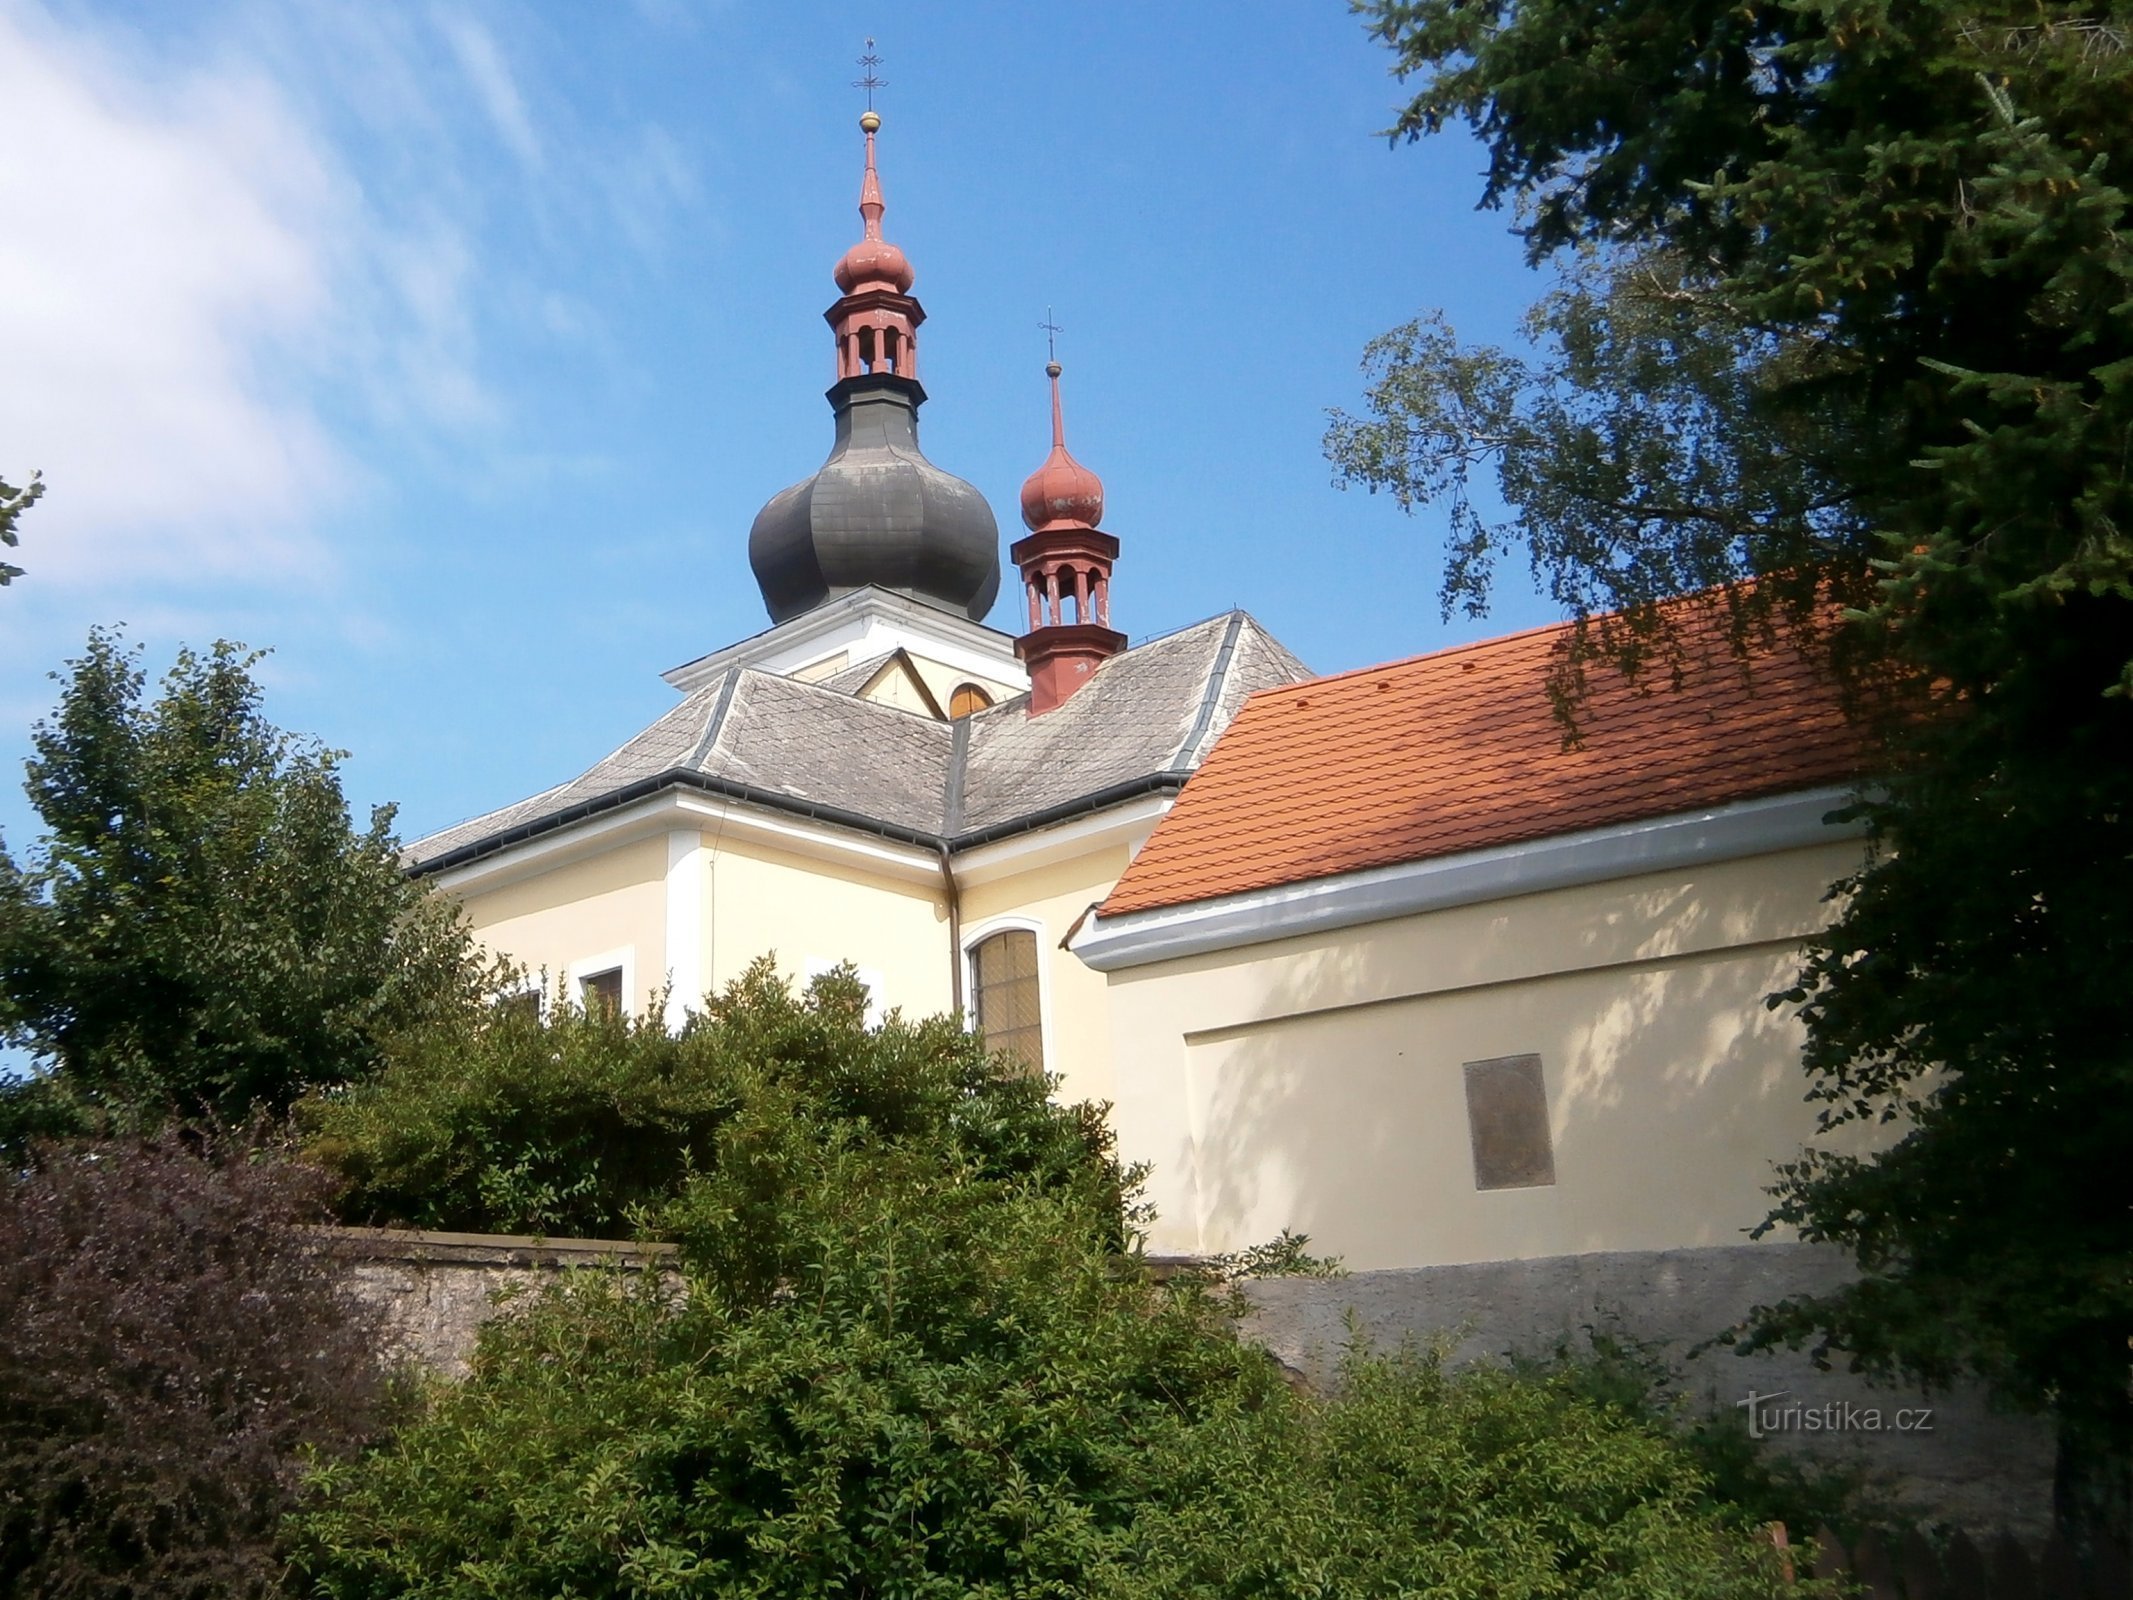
[[245, 282], [494, 86], [161, 243]]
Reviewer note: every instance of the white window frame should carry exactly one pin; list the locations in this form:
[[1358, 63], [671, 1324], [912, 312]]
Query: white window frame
[[606, 961], [533, 983], [977, 934]]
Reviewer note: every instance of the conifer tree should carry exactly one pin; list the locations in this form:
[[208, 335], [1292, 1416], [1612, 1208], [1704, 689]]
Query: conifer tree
[[1850, 309]]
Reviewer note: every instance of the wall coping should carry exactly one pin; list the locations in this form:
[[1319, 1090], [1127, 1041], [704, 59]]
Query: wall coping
[[489, 1249]]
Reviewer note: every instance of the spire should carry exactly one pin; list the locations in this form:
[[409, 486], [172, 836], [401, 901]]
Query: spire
[[1066, 564], [873, 263], [1062, 493], [878, 513], [870, 204]]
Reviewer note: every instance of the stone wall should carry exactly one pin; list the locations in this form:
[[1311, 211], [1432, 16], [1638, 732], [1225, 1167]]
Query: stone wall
[[1966, 1463], [437, 1289]]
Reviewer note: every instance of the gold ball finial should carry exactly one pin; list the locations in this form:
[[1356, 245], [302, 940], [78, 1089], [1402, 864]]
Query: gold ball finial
[[1052, 369], [869, 120]]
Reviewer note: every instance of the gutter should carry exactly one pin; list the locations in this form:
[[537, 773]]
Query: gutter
[[952, 812], [1320, 905], [644, 788], [814, 811]]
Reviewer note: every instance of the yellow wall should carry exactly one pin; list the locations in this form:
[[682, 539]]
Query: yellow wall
[[764, 900], [1317, 1083], [900, 686], [1077, 1037], [755, 898], [615, 900]]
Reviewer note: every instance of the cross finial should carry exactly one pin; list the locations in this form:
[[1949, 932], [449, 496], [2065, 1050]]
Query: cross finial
[[872, 80], [1052, 331]]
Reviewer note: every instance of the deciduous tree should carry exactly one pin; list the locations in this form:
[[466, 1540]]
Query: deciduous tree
[[13, 502], [202, 931]]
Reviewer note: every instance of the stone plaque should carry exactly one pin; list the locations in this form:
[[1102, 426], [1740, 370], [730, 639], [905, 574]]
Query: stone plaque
[[1507, 1115]]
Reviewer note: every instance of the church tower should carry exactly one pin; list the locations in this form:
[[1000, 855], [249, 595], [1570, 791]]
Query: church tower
[[1066, 564], [878, 512]]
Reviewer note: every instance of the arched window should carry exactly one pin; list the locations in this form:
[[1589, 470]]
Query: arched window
[[968, 697], [1003, 995]]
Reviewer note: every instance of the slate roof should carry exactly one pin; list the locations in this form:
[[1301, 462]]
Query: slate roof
[[1462, 750], [1143, 721]]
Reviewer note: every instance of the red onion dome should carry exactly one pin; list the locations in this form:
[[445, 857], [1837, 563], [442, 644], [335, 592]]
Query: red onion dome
[[1062, 493], [874, 264]]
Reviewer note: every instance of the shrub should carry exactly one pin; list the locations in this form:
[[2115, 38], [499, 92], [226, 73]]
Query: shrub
[[902, 1356], [172, 1350], [575, 1124]]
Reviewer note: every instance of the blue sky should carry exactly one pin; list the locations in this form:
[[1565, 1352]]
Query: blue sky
[[449, 349]]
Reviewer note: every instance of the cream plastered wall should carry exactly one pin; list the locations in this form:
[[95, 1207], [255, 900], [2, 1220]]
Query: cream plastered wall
[[901, 686], [583, 912], [1317, 1083], [944, 680], [808, 912], [613, 908], [709, 903], [1075, 1000]]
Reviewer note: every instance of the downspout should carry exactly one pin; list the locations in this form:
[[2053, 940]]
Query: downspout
[[955, 929], [951, 824]]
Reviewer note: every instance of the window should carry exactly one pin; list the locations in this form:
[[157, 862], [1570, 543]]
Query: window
[[602, 991], [1004, 998], [523, 1006], [1507, 1118], [968, 697]]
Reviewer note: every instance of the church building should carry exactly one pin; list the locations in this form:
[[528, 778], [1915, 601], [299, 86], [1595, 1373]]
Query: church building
[[1377, 957], [1381, 958], [879, 777]]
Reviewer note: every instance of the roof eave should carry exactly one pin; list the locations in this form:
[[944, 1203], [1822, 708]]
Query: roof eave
[[1760, 826]]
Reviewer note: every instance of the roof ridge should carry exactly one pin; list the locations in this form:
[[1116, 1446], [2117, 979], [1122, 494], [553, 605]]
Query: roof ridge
[[1471, 646], [839, 697], [958, 768], [1210, 696], [715, 724], [1187, 627]]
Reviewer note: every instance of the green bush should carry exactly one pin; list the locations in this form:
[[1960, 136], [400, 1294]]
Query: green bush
[[575, 1124], [903, 1355]]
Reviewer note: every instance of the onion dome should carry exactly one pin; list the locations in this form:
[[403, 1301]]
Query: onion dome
[[878, 512], [1062, 493], [873, 263]]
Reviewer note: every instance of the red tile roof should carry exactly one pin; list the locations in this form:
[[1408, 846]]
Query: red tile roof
[[1462, 750]]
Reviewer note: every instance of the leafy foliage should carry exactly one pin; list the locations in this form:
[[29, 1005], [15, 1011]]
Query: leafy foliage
[[203, 932], [1854, 295], [13, 502], [1756, 1484], [583, 1123], [903, 1356], [172, 1353]]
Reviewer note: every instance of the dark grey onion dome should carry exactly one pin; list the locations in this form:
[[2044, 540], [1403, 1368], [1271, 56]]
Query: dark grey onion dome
[[878, 512]]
